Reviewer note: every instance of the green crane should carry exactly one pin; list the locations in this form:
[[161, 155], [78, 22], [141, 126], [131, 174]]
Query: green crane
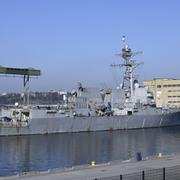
[[26, 73]]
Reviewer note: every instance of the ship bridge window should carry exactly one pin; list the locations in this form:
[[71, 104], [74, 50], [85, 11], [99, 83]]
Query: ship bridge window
[[25, 113], [6, 119], [15, 113]]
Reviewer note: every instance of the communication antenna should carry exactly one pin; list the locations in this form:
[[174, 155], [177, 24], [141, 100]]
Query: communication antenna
[[129, 65]]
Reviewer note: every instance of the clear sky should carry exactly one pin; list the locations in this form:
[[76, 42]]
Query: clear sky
[[75, 40]]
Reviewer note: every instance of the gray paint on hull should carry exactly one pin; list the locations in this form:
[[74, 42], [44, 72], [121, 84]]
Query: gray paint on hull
[[80, 124]]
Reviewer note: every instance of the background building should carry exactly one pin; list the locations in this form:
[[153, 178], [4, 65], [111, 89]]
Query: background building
[[165, 91]]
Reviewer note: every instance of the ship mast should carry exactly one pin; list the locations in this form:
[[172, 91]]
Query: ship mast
[[130, 65]]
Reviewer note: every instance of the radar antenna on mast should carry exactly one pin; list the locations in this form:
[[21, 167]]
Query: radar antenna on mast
[[130, 65], [124, 40]]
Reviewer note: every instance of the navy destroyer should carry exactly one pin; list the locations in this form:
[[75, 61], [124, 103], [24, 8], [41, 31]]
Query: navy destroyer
[[130, 106]]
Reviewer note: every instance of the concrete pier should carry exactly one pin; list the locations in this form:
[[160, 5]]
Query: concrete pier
[[110, 169]]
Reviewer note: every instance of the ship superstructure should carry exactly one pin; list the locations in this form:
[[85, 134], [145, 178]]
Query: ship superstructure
[[130, 106]]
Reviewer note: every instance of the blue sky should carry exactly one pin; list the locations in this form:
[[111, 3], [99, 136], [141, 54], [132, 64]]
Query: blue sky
[[75, 40]]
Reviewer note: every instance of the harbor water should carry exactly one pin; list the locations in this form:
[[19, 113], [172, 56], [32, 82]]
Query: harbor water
[[42, 152]]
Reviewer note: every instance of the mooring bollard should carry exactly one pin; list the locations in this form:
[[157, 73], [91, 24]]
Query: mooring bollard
[[93, 163], [160, 155]]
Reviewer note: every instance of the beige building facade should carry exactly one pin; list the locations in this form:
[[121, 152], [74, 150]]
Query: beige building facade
[[165, 91]]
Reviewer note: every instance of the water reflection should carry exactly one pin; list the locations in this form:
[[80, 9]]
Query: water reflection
[[41, 152]]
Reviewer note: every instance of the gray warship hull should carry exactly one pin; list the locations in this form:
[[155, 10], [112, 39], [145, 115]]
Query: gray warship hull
[[129, 106], [87, 124]]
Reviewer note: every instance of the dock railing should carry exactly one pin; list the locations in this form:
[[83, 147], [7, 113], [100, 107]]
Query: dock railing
[[168, 173]]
